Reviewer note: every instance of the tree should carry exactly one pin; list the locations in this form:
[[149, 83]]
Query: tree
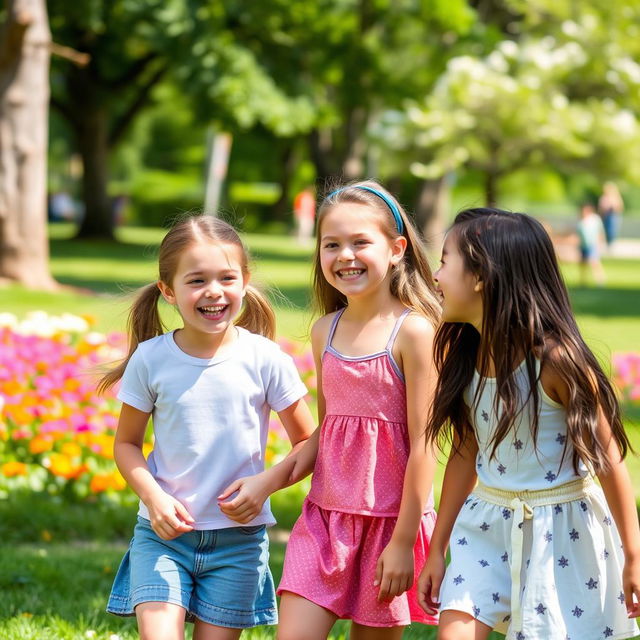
[[521, 106], [133, 47], [25, 44]]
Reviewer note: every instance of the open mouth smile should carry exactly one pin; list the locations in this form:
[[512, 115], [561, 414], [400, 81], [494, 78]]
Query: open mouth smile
[[349, 274], [213, 312]]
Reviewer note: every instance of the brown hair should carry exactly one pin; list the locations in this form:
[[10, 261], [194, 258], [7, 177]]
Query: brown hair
[[144, 320], [525, 313], [411, 282]]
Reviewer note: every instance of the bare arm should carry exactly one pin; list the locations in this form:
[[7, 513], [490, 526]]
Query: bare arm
[[459, 480], [169, 517]]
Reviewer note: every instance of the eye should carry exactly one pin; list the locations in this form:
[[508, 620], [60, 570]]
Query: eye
[[230, 278], [196, 281], [362, 241], [330, 245]]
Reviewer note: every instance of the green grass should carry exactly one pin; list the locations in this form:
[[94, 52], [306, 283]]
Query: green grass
[[54, 582]]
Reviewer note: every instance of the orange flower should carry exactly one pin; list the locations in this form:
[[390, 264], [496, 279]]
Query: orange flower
[[61, 465], [40, 444], [103, 481], [10, 469]]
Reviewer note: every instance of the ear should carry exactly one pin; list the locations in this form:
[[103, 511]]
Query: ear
[[246, 278], [167, 292], [398, 249], [479, 286]]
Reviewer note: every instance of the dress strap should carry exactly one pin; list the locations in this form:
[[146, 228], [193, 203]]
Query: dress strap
[[332, 329], [396, 328]]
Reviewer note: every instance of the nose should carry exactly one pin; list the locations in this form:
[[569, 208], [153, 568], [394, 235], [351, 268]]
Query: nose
[[346, 254], [214, 290]]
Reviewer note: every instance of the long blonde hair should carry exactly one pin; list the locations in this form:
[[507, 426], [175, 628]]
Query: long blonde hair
[[411, 281], [144, 320]]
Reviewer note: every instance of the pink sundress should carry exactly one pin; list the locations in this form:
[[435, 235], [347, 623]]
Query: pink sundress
[[350, 513]]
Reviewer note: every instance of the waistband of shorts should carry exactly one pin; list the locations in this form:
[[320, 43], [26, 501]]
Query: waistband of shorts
[[567, 492]]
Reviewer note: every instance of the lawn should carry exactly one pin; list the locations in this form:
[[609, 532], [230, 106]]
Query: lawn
[[55, 585]]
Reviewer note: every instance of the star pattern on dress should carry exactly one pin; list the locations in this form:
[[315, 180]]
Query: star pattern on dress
[[577, 612], [592, 584], [548, 536], [540, 609], [517, 444], [561, 438], [550, 477], [583, 505], [563, 562], [496, 596], [520, 636], [485, 416], [621, 597], [502, 469], [608, 632], [504, 557], [607, 520], [557, 509], [484, 526], [605, 554], [476, 611], [462, 542], [574, 535], [458, 580], [506, 513], [483, 563]]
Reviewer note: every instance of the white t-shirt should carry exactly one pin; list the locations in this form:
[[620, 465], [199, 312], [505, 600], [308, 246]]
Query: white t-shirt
[[210, 416]]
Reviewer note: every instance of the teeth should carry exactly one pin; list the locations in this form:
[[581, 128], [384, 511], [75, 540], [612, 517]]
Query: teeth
[[213, 309], [351, 272]]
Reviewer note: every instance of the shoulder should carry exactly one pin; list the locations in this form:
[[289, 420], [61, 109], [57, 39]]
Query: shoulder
[[258, 344], [552, 377], [416, 328], [320, 330], [153, 347]]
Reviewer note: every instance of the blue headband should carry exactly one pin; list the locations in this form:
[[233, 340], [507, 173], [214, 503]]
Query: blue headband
[[388, 201]]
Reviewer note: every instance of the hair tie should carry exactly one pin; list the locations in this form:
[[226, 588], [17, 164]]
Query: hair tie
[[390, 203]]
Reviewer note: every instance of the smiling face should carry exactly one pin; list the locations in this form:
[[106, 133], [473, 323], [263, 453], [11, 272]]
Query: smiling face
[[460, 290], [207, 288], [355, 254]]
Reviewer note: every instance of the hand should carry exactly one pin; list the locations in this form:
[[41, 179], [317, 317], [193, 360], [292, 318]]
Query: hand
[[394, 571], [429, 583], [631, 587], [252, 492], [169, 517]]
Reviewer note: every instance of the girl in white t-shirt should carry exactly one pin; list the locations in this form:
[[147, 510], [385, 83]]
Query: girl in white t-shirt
[[210, 387]]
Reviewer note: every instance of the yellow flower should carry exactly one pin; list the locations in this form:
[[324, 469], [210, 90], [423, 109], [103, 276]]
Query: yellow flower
[[71, 449], [40, 444]]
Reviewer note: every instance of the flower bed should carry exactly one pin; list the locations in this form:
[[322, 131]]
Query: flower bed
[[56, 432]]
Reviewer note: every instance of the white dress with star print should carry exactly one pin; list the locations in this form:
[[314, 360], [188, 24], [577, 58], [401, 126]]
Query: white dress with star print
[[571, 573]]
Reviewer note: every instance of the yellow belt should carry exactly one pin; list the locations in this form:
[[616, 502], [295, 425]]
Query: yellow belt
[[522, 503]]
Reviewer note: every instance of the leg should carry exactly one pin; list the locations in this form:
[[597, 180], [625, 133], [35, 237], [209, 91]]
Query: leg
[[160, 621], [205, 631], [301, 619], [360, 632], [456, 625]]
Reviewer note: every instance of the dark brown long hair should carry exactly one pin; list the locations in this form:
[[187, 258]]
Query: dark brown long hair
[[411, 282], [144, 320], [526, 313]]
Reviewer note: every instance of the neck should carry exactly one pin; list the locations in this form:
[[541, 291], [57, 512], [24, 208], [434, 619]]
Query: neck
[[204, 345], [365, 309]]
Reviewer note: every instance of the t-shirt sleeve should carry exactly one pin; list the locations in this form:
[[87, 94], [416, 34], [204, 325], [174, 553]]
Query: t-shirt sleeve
[[135, 389], [284, 385]]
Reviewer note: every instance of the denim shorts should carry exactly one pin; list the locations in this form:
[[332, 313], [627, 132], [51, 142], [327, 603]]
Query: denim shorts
[[220, 576]]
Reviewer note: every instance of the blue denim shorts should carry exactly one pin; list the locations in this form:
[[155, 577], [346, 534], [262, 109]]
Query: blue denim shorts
[[220, 576]]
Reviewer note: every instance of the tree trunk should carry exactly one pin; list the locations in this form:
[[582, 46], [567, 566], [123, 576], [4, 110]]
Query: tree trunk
[[491, 188], [24, 101], [431, 212], [92, 131]]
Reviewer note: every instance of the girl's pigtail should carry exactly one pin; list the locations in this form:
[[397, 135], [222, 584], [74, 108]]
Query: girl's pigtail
[[257, 315], [143, 323]]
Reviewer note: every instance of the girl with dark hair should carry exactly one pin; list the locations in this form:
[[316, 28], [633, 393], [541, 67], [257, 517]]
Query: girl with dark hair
[[364, 531], [538, 549], [200, 553]]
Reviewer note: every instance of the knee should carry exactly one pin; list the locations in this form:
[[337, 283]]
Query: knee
[[298, 631]]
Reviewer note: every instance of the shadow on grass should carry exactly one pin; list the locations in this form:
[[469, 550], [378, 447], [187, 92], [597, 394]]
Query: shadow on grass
[[605, 302]]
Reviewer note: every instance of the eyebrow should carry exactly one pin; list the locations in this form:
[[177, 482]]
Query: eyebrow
[[199, 273]]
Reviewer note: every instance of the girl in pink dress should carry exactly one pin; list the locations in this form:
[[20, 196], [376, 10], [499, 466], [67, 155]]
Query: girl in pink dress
[[364, 532]]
